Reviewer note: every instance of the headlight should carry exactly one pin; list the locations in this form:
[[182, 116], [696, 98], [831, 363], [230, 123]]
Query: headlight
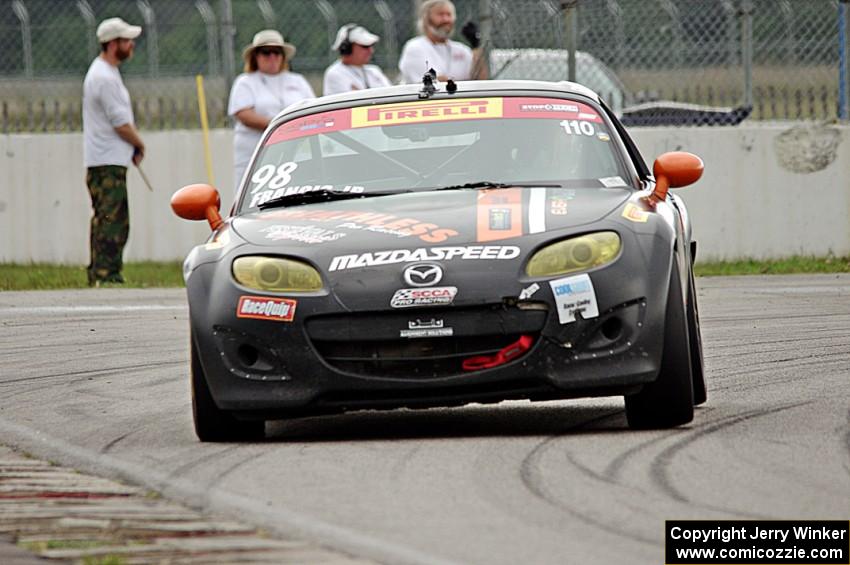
[[575, 254], [276, 275]]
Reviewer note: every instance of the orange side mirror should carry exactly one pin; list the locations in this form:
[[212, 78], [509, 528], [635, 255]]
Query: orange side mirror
[[198, 202], [675, 169]]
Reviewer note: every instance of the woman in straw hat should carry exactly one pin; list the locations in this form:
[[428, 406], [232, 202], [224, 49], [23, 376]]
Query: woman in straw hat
[[261, 92]]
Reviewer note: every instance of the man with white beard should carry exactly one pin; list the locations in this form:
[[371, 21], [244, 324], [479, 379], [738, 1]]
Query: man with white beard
[[433, 49]]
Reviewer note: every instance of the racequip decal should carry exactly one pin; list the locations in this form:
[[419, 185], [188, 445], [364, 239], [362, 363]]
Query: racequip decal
[[602, 136], [466, 252], [370, 221], [499, 214], [574, 295], [433, 296], [634, 213], [537, 210], [304, 234], [426, 328], [430, 111], [264, 308]]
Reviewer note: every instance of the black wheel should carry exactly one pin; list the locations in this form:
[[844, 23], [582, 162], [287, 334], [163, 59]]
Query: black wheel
[[212, 423], [695, 338], [667, 401]]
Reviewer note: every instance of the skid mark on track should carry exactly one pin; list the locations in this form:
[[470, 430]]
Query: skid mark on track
[[106, 448], [769, 366], [764, 318], [748, 348], [111, 371], [660, 465], [614, 471], [534, 482], [253, 453], [214, 453]]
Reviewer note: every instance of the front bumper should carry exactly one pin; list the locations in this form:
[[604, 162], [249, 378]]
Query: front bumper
[[330, 360]]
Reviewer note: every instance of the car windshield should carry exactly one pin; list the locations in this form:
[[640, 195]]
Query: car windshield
[[432, 144]]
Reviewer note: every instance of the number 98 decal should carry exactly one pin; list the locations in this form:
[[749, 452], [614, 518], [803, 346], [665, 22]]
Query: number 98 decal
[[576, 127], [274, 177]]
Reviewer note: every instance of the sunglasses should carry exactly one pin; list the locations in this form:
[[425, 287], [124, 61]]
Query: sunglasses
[[267, 51]]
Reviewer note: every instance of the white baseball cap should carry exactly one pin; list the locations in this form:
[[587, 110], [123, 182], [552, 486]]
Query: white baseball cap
[[116, 28], [355, 34]]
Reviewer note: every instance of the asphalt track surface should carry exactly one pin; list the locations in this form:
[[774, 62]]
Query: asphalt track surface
[[98, 379]]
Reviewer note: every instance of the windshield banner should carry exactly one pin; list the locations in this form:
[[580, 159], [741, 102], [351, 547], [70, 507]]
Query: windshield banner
[[434, 111]]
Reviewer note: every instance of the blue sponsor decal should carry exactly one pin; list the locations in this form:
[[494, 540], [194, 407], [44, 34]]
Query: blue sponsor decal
[[572, 288]]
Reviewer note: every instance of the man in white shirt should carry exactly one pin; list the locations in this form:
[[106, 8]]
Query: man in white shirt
[[352, 72], [110, 143], [433, 48]]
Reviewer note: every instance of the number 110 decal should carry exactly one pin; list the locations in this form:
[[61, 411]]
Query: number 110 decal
[[576, 127]]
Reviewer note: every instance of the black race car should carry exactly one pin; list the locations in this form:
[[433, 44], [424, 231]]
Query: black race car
[[437, 245]]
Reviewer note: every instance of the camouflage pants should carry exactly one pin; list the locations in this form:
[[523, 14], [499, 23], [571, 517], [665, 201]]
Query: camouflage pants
[[110, 223]]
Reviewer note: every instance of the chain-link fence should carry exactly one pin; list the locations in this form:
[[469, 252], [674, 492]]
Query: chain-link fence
[[771, 59]]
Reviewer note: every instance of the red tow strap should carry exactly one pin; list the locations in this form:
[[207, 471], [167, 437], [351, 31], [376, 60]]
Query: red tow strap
[[506, 354]]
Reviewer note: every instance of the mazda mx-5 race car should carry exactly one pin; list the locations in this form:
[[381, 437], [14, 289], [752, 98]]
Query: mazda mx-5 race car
[[438, 245]]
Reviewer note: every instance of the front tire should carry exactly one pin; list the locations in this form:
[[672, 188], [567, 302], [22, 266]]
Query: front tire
[[212, 423], [668, 401], [695, 338]]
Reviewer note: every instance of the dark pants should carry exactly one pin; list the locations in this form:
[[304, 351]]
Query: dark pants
[[110, 223]]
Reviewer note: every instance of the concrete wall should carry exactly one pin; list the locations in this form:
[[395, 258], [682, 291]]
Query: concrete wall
[[769, 191], [45, 207]]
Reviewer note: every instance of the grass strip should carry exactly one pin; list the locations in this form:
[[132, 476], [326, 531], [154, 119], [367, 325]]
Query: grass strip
[[43, 276], [788, 266]]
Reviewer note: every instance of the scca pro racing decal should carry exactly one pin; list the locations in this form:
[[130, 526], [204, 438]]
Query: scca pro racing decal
[[434, 296], [264, 308], [467, 252]]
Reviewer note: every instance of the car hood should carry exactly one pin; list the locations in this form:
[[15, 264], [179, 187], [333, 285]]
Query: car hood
[[425, 219]]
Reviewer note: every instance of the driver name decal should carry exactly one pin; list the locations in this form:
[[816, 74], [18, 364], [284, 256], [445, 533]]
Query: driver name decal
[[466, 252]]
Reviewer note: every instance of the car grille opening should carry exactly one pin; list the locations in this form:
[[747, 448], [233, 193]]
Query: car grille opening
[[372, 344]]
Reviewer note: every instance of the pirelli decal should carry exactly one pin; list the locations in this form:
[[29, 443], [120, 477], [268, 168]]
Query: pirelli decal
[[431, 111]]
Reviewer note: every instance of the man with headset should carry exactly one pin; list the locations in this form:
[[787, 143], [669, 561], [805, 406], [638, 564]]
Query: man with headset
[[351, 72]]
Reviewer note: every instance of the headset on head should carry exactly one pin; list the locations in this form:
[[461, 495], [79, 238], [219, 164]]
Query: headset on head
[[345, 46]]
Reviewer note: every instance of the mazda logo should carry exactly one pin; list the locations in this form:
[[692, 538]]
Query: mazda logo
[[423, 275]]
